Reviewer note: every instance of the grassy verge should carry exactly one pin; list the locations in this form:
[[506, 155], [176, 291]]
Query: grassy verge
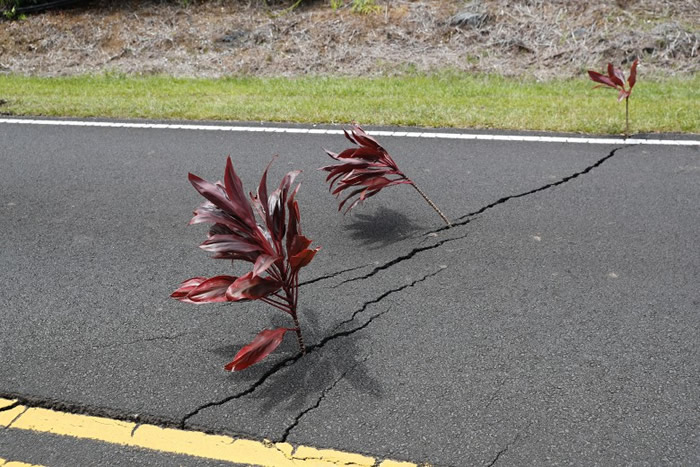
[[440, 100]]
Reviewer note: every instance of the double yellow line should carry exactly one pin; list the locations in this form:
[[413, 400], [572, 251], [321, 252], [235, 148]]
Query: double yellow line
[[173, 441]]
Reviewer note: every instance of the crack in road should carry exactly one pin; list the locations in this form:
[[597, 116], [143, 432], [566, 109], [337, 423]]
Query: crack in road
[[321, 396], [277, 367], [508, 446], [9, 425], [182, 423], [465, 219], [383, 296], [568, 178], [312, 348], [9, 407], [68, 407], [332, 275]]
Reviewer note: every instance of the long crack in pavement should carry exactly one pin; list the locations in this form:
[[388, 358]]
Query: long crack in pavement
[[312, 348], [461, 221], [321, 396], [465, 219]]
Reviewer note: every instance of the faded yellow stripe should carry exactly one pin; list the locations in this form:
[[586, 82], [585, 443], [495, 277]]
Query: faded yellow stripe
[[6, 416], [173, 441], [390, 463], [6, 463]]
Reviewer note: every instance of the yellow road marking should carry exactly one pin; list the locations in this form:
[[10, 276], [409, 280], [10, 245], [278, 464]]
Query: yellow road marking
[[6, 463], [6, 403], [173, 441]]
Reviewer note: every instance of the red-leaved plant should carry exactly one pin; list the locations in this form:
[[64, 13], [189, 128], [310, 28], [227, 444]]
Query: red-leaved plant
[[276, 249], [366, 169], [616, 80]]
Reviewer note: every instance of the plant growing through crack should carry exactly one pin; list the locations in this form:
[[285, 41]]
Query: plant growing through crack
[[276, 249], [616, 80], [368, 169]]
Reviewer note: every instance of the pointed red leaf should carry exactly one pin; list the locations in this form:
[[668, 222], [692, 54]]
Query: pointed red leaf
[[599, 78], [212, 290], [211, 192], [287, 181], [229, 244], [633, 75], [250, 287], [363, 139], [186, 287], [298, 244], [302, 258], [263, 263], [236, 195], [262, 345], [615, 75]]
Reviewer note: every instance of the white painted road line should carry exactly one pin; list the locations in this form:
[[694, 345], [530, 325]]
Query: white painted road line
[[319, 131]]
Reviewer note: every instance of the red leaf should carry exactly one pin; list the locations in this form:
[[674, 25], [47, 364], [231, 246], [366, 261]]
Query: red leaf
[[211, 290], [263, 263], [211, 192], [229, 244], [363, 139], [263, 344], [633, 75], [366, 168], [239, 201], [250, 287], [186, 287], [616, 76], [298, 244], [302, 258], [287, 181], [599, 78], [622, 94]]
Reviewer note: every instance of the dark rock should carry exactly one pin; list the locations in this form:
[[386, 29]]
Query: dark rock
[[233, 37], [469, 18], [580, 33]]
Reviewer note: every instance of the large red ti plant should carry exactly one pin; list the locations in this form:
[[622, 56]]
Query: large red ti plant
[[276, 250], [366, 169], [616, 80]]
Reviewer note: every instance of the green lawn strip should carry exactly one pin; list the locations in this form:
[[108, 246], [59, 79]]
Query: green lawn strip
[[438, 100]]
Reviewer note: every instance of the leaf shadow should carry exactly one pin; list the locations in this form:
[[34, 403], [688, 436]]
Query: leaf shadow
[[382, 227], [299, 385]]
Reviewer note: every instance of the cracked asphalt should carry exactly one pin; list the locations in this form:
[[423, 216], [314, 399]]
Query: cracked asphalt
[[555, 323]]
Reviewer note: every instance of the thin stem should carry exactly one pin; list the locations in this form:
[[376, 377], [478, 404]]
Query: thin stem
[[627, 116], [279, 306], [432, 205], [300, 338]]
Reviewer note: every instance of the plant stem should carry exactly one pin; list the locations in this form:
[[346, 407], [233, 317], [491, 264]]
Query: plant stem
[[627, 116], [300, 338], [432, 205]]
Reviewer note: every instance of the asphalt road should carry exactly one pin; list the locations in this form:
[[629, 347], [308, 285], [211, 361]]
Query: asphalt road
[[556, 323]]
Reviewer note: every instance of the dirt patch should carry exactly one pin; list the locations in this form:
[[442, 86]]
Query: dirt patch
[[544, 38]]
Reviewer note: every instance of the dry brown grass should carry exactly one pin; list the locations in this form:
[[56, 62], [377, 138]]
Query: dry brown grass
[[544, 38]]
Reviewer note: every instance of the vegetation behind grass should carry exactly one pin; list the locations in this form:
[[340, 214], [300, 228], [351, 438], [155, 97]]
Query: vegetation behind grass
[[438, 100]]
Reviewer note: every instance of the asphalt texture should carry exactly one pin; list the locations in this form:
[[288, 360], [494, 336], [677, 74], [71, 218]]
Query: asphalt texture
[[556, 323]]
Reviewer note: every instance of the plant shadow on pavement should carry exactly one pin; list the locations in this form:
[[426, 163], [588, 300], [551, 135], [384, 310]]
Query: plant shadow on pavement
[[381, 227], [302, 383]]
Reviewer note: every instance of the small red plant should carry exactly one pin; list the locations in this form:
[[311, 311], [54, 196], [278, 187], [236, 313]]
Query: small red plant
[[366, 169], [276, 249], [616, 80]]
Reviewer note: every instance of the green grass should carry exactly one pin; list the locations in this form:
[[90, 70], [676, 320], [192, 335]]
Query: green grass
[[446, 99]]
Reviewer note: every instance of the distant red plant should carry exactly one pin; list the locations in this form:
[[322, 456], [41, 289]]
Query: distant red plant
[[367, 170], [276, 250], [616, 79]]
